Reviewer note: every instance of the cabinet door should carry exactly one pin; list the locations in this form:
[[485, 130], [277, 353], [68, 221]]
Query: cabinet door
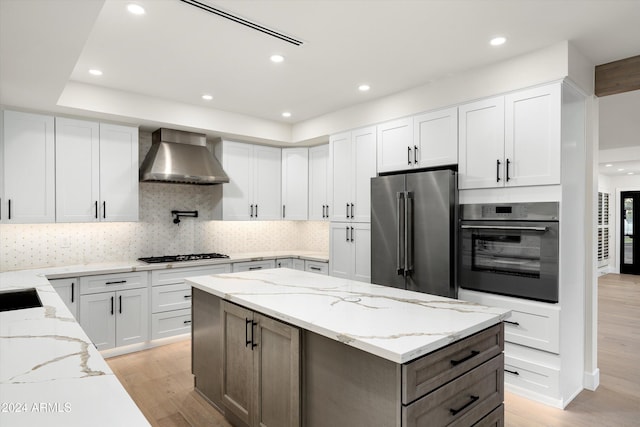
[[284, 263], [361, 252], [118, 173], [532, 136], [267, 183], [481, 144], [318, 182], [77, 170], [237, 361], [340, 264], [236, 194], [97, 318], [298, 264], [364, 166], [132, 318], [341, 176], [68, 290], [436, 138], [28, 168], [396, 149], [277, 373], [295, 183]]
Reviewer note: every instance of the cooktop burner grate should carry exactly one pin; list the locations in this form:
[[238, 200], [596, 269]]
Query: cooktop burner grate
[[179, 258]]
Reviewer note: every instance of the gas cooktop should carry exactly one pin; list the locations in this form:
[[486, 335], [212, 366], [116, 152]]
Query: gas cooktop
[[179, 258]]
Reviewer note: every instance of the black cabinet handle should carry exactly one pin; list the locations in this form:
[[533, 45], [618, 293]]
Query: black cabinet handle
[[315, 268], [347, 210], [347, 234], [72, 291], [9, 208], [323, 211], [112, 306], [408, 155], [253, 343], [352, 234], [497, 170], [187, 322], [187, 296], [415, 154], [96, 209], [283, 211], [473, 354], [255, 268], [512, 372], [327, 211], [351, 210], [465, 406], [120, 302], [256, 211], [511, 323], [104, 209], [117, 282], [507, 171], [251, 214], [247, 341]]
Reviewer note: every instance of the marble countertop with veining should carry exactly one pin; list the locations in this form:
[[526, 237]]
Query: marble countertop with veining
[[394, 324]]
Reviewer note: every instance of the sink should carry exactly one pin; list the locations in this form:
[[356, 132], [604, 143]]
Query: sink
[[18, 300]]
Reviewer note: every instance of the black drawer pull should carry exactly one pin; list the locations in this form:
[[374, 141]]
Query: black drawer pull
[[117, 282], [315, 268], [247, 322], [187, 296], [512, 372], [187, 322], [255, 268], [455, 412], [474, 353], [512, 323]]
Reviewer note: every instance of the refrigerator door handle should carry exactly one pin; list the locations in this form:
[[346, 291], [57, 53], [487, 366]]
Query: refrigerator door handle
[[408, 233], [400, 233]]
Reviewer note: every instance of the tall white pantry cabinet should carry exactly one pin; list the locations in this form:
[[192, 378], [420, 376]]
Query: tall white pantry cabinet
[[352, 165]]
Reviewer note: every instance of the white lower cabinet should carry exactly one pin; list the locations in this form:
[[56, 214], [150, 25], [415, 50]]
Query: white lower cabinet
[[297, 264], [170, 323], [350, 251], [68, 290], [254, 265], [115, 319], [284, 262], [316, 267]]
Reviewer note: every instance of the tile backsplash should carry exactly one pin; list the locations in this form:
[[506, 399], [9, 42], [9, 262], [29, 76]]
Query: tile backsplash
[[42, 245]]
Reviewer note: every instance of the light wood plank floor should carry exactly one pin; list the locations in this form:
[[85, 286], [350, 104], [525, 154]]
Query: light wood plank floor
[[160, 381]]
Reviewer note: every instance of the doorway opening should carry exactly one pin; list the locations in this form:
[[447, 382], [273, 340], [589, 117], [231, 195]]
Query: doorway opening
[[630, 232]]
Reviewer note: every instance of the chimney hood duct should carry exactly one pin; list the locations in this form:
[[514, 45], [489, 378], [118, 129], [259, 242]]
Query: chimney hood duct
[[181, 157]]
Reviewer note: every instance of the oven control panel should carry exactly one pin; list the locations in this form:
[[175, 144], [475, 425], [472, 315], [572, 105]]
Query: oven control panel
[[535, 211]]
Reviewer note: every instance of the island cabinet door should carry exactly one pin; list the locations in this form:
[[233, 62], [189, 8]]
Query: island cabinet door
[[277, 373], [237, 360]]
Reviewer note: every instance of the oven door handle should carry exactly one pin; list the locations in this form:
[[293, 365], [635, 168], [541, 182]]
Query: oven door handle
[[503, 227]]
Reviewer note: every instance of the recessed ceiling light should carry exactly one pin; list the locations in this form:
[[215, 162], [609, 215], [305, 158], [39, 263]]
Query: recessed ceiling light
[[497, 41], [286, 114], [629, 173], [136, 9], [277, 58], [364, 87], [608, 165], [207, 97], [95, 72], [620, 170]]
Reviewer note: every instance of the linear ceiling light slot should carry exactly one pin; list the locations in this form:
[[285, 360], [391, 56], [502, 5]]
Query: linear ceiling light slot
[[243, 21]]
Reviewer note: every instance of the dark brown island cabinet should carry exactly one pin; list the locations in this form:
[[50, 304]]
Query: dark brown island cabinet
[[259, 371]]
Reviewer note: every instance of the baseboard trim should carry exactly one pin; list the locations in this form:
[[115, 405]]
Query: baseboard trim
[[591, 380], [119, 351]]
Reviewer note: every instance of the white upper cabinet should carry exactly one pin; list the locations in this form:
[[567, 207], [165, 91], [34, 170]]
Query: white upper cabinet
[[512, 140], [319, 183], [435, 138], [118, 172], [395, 145], [96, 171], [28, 174], [77, 170], [350, 251], [353, 164], [295, 183], [253, 191]]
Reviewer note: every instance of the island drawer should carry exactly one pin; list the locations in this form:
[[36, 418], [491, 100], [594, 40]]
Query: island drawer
[[435, 369], [462, 402], [113, 282], [493, 419], [170, 297]]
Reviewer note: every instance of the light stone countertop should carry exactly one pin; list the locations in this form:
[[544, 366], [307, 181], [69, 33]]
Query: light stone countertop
[[394, 324], [50, 372]]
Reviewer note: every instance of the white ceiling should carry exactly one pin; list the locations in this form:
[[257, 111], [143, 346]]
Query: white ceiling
[[176, 52]]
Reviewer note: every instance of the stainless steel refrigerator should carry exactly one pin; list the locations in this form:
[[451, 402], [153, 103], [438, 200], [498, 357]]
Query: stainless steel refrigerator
[[413, 231]]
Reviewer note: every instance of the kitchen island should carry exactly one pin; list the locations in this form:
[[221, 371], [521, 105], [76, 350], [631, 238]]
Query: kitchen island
[[289, 348]]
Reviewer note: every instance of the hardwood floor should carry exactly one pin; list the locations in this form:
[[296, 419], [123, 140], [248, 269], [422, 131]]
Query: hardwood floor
[[160, 381]]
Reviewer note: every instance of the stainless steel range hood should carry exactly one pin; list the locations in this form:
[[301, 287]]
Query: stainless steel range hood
[[181, 157]]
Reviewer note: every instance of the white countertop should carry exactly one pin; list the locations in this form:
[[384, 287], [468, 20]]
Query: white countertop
[[392, 323]]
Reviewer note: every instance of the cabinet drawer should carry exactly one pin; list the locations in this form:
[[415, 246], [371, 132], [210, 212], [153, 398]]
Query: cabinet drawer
[[113, 282], [463, 401], [316, 267], [435, 369], [171, 323], [170, 297], [494, 419], [532, 377], [253, 265], [177, 275]]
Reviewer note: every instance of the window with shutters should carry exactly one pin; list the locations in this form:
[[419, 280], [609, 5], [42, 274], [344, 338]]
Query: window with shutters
[[603, 229]]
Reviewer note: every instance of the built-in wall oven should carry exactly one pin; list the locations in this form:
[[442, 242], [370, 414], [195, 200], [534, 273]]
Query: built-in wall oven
[[510, 249]]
